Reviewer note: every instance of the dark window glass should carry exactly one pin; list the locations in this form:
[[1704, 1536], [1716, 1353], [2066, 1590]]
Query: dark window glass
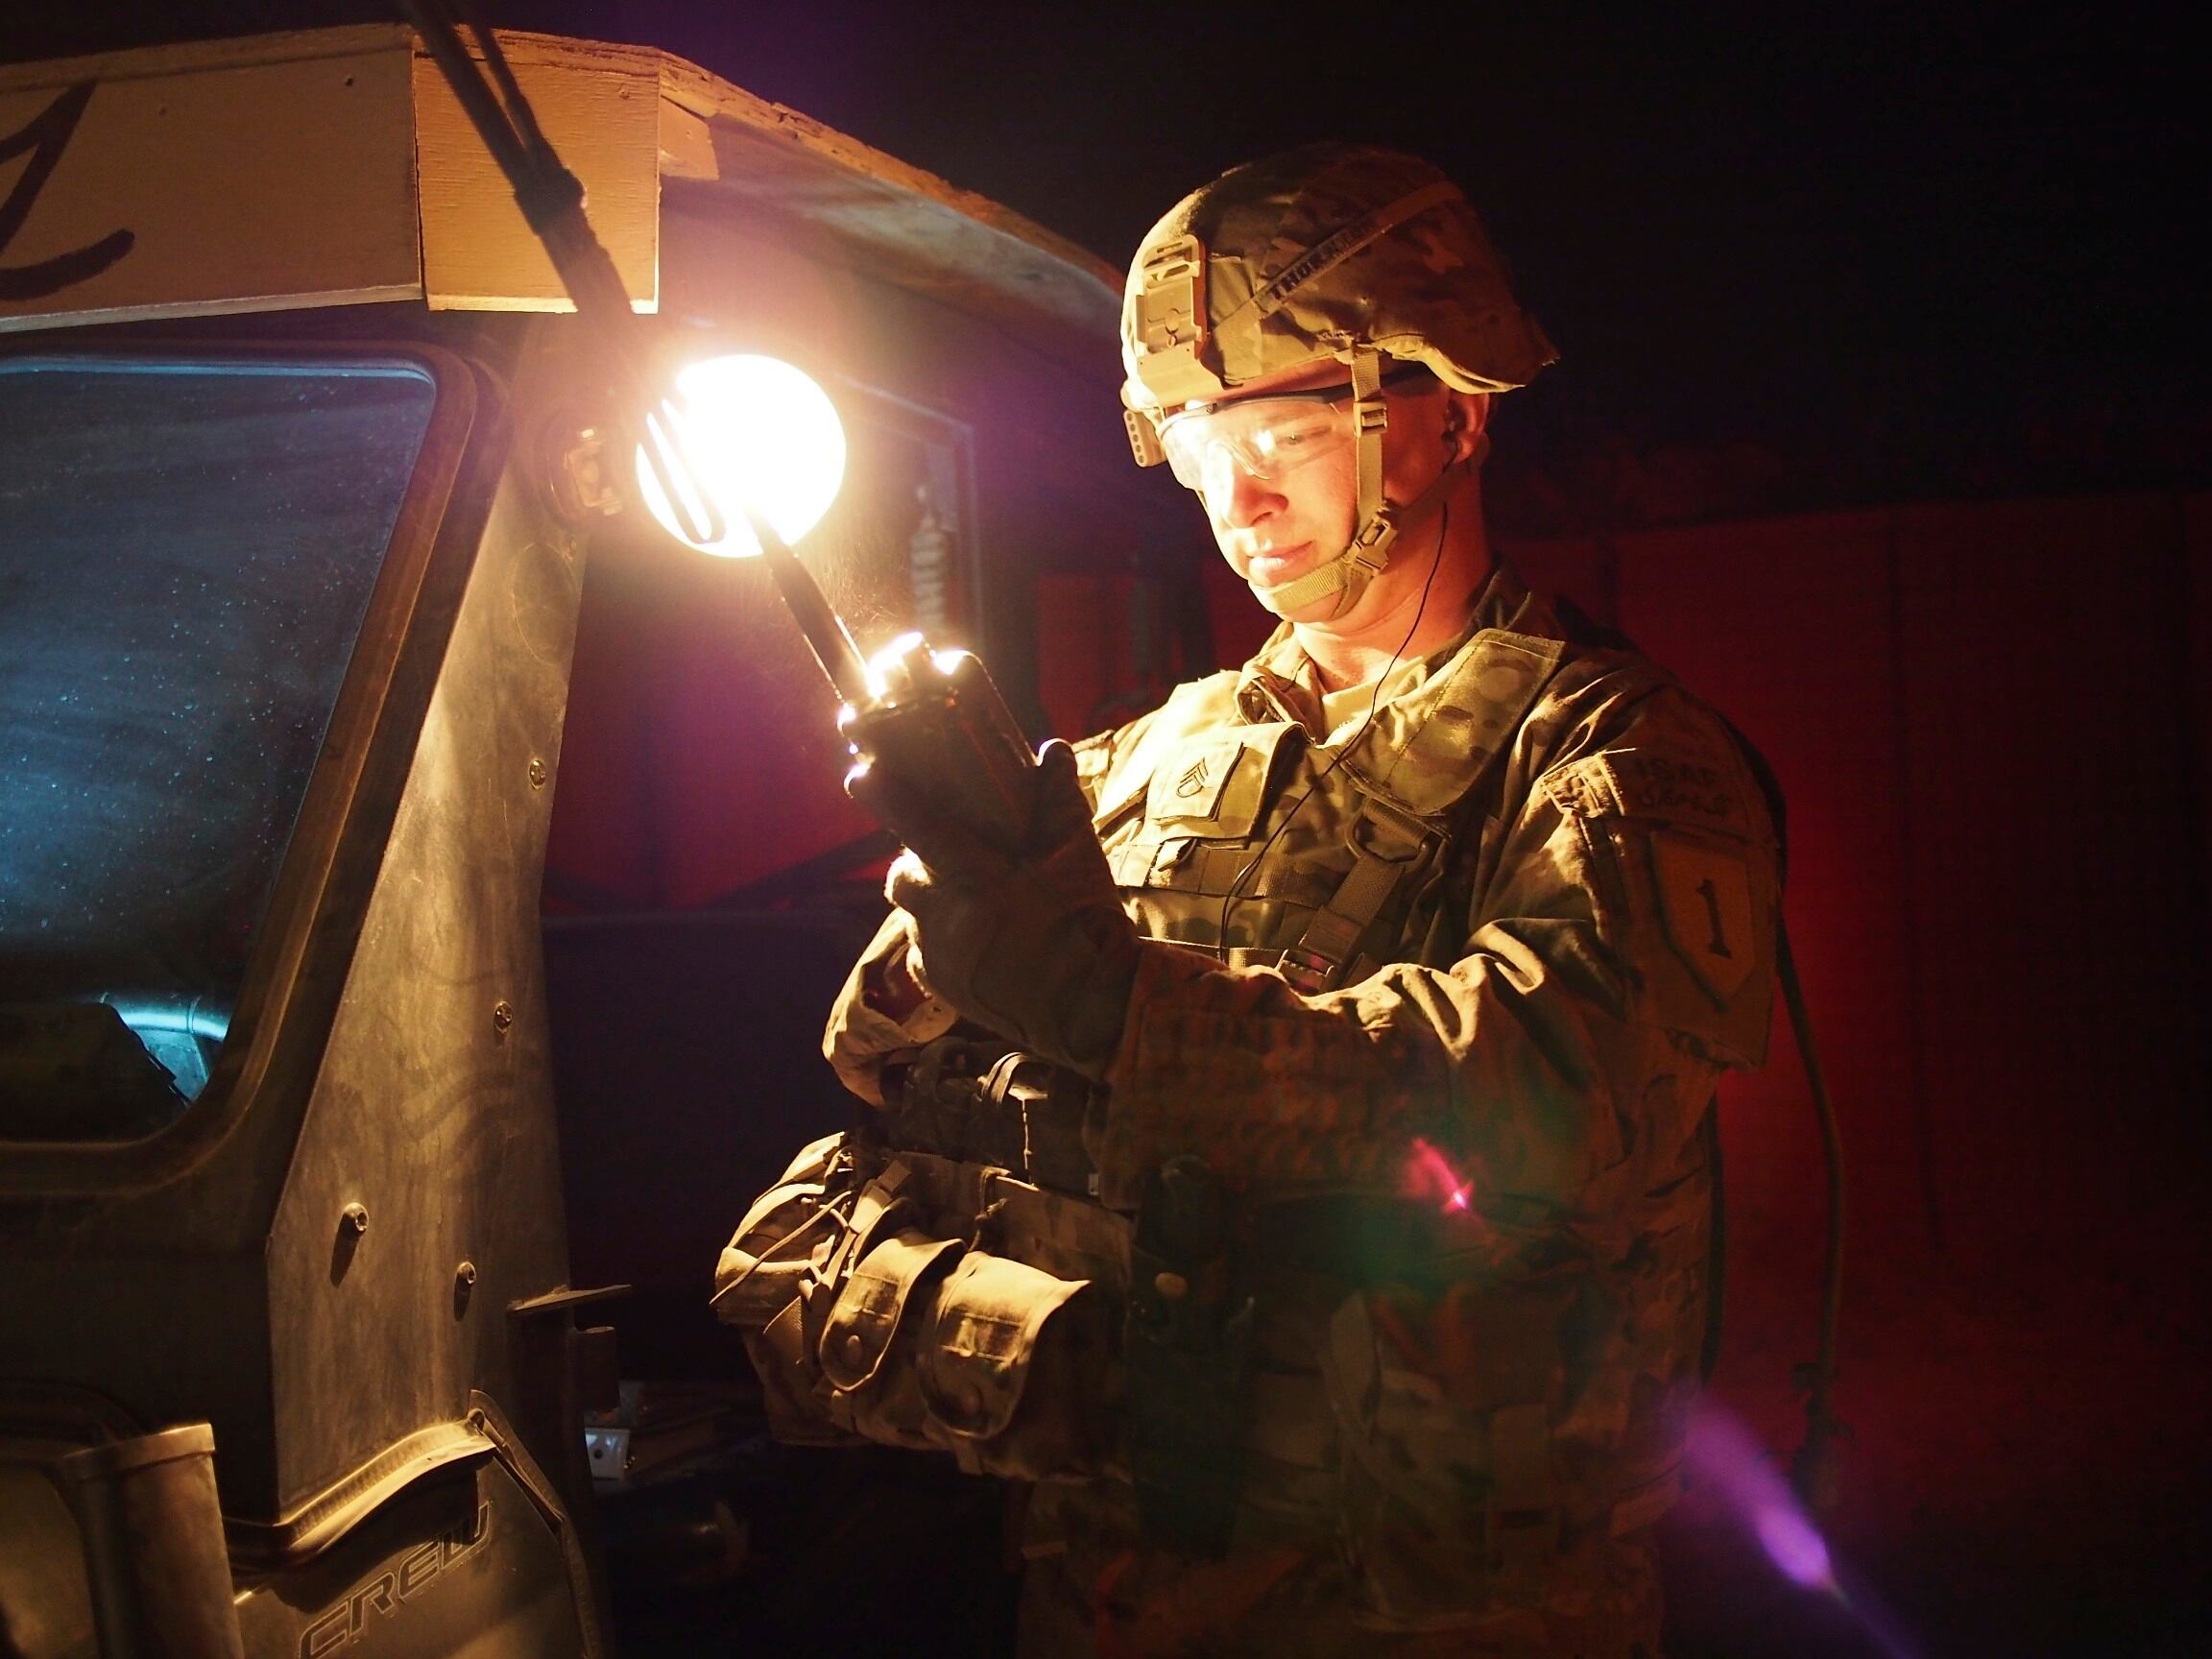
[[186, 550]]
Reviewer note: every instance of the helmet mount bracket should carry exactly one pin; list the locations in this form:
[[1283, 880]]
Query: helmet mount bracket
[[1170, 324]]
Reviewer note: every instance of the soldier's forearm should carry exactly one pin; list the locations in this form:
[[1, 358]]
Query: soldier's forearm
[[1501, 1062]]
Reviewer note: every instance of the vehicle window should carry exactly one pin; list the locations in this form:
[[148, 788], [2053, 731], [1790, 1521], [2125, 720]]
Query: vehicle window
[[186, 550]]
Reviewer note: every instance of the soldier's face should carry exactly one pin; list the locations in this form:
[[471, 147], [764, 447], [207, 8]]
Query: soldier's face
[[1274, 529]]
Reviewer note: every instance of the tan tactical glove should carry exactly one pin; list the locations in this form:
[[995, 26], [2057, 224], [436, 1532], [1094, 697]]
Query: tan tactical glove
[[1033, 945], [881, 1014]]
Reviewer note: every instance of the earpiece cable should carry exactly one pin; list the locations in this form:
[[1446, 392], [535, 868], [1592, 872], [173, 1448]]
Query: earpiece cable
[[1374, 703]]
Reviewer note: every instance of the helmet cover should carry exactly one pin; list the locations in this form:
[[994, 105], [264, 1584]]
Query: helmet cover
[[1313, 254]]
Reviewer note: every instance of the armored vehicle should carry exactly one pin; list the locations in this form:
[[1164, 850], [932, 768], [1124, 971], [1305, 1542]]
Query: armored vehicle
[[313, 1181]]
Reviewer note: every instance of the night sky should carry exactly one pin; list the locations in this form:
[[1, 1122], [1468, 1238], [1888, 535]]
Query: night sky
[[1888, 252]]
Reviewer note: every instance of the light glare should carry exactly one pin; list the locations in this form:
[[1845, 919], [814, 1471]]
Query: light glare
[[1430, 1174], [759, 432]]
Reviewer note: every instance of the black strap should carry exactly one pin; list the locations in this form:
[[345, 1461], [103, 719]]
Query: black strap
[[1186, 1349]]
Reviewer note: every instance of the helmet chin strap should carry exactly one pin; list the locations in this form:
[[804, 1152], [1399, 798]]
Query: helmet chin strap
[[1348, 574]]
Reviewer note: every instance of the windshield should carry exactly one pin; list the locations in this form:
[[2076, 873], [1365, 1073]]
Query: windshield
[[186, 550]]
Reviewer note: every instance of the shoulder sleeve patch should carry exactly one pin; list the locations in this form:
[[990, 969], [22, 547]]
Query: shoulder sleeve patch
[[1707, 911]]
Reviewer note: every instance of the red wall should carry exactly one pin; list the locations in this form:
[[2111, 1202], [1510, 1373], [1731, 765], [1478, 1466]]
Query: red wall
[[1983, 717]]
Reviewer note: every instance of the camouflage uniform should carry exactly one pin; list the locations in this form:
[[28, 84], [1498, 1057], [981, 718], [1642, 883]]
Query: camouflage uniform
[[1474, 1200]]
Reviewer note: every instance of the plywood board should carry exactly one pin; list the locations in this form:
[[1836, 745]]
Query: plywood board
[[600, 111], [140, 187]]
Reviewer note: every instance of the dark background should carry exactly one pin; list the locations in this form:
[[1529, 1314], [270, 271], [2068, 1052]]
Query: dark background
[[1880, 413], [1848, 256]]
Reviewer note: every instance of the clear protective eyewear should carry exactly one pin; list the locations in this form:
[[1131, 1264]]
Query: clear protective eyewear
[[1268, 437]]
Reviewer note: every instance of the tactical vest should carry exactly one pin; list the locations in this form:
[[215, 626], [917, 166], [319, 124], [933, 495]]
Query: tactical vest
[[1231, 828]]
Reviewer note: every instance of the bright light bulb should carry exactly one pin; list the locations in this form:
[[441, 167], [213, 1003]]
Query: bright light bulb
[[759, 432]]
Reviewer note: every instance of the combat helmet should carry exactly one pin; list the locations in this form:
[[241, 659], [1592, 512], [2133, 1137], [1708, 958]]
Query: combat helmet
[[1330, 250]]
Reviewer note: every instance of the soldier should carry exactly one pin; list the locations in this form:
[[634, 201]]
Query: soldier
[[1407, 958]]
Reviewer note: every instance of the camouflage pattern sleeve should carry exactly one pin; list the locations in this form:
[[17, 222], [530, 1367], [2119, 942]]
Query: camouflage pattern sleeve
[[1616, 955]]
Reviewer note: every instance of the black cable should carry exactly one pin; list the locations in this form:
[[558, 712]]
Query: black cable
[[551, 191], [439, 29], [519, 110], [1813, 1471]]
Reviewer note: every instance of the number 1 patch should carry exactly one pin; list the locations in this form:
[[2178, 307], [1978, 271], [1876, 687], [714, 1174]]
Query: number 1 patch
[[1705, 902]]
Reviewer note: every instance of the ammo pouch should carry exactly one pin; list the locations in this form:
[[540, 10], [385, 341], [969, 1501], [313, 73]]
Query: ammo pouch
[[873, 1307], [765, 1269]]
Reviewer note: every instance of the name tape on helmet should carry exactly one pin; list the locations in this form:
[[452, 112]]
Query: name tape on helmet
[[1340, 245]]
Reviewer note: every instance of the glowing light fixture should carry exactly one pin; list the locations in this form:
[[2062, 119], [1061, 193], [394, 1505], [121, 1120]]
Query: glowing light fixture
[[765, 440], [745, 432]]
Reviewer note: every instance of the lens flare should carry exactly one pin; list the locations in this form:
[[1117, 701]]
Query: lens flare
[[759, 432], [1735, 1467], [1794, 1546], [1725, 1461], [1430, 1174]]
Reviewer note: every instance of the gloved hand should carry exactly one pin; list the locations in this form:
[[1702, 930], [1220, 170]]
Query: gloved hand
[[881, 1014], [1033, 945]]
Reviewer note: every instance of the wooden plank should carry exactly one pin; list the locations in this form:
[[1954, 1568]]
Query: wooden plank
[[188, 56], [687, 144], [600, 111], [239, 182], [291, 187], [851, 204], [737, 114]]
